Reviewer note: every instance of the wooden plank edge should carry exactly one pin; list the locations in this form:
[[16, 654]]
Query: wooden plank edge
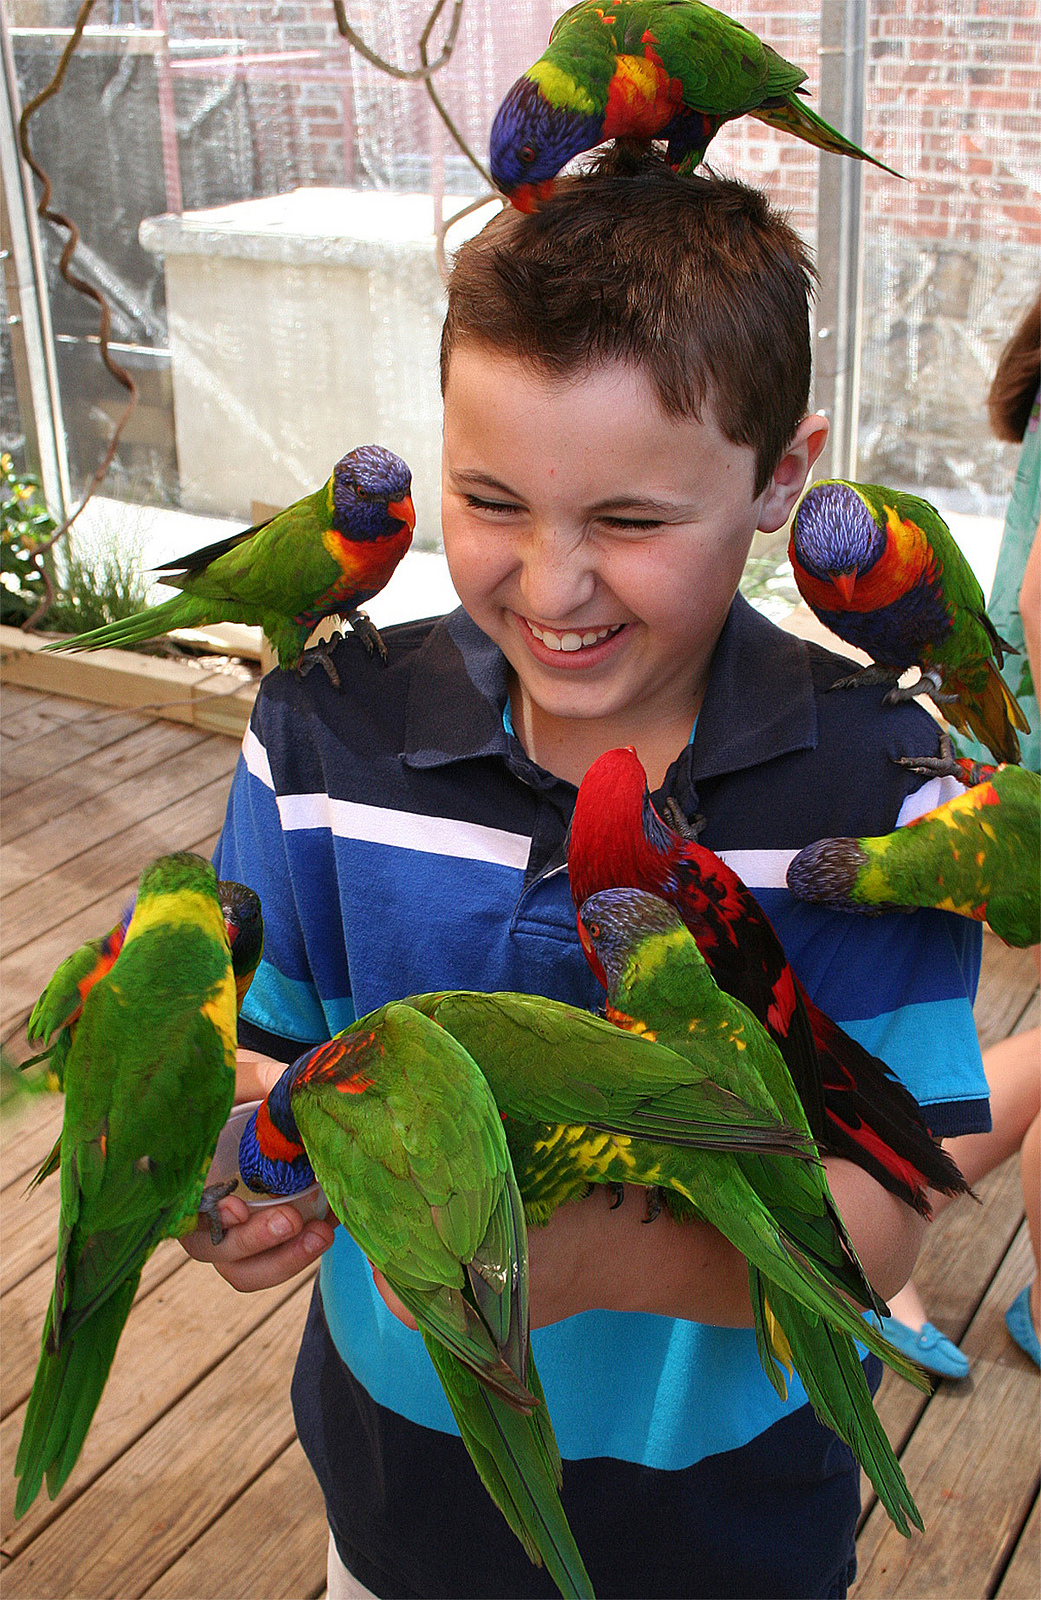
[[122, 678]]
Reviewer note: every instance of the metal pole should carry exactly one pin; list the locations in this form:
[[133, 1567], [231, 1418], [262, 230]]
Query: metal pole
[[29, 317], [839, 206]]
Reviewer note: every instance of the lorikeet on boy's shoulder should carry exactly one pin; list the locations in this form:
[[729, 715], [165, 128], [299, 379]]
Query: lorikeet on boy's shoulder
[[855, 1106], [978, 855], [649, 69], [323, 556], [881, 569]]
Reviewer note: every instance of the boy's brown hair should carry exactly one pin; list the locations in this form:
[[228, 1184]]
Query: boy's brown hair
[[699, 280]]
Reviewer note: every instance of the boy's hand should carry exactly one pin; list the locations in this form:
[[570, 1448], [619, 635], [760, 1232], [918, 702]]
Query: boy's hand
[[260, 1248]]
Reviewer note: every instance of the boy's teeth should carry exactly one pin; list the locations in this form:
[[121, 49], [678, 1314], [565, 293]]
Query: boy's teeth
[[572, 641]]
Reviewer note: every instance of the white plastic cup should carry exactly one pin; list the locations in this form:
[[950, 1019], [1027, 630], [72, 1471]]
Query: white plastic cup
[[311, 1203]]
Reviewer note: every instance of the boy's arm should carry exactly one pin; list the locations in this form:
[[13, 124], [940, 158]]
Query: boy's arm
[[592, 1257]]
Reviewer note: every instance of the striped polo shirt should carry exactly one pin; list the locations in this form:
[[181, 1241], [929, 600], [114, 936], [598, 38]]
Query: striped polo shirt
[[401, 841]]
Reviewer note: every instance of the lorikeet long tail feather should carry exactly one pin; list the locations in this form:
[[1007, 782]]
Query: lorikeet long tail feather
[[792, 116], [65, 1395], [988, 709], [833, 1377], [182, 611], [518, 1461]]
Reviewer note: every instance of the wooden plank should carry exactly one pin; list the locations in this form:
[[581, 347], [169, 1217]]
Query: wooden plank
[[272, 1541], [975, 1454], [53, 842], [166, 1485], [1022, 1578], [50, 899], [26, 713], [22, 1312], [1008, 980], [128, 758], [28, 1230], [24, 973], [62, 747], [27, 1132]]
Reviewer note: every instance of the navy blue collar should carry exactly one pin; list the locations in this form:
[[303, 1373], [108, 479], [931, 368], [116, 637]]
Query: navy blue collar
[[759, 702]]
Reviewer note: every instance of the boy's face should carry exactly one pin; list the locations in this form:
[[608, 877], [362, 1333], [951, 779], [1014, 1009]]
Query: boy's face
[[598, 541]]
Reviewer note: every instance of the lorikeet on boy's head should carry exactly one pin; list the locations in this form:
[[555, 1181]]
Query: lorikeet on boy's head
[[881, 569], [156, 1035], [323, 556], [647, 69], [855, 1106]]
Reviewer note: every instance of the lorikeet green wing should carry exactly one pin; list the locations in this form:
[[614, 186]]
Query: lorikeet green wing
[[149, 1080], [801, 1263], [323, 556], [978, 855], [883, 571], [400, 1128], [670, 69]]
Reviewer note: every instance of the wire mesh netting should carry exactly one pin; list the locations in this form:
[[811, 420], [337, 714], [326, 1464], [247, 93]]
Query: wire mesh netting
[[258, 203]]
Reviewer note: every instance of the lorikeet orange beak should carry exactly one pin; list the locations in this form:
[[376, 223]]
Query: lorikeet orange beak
[[528, 197], [404, 510]]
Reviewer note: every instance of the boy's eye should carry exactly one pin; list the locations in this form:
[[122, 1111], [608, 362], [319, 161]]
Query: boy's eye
[[631, 524], [477, 503]]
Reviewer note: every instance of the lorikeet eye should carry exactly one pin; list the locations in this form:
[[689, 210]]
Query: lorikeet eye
[[527, 154], [593, 929]]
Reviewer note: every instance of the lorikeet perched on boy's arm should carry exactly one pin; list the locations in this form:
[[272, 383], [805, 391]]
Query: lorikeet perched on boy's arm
[[149, 1081], [649, 69], [881, 569], [979, 855], [400, 1128], [323, 556], [855, 1105]]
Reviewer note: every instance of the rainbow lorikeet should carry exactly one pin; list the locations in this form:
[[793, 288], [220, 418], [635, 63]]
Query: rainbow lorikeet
[[53, 1019], [881, 569], [400, 1128], [149, 1081], [584, 1101], [855, 1106], [798, 1254], [978, 855], [650, 69], [323, 556]]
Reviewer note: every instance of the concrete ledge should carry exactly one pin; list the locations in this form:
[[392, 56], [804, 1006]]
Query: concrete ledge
[[173, 690]]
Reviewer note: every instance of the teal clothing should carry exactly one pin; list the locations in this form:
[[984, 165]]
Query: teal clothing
[[1021, 523]]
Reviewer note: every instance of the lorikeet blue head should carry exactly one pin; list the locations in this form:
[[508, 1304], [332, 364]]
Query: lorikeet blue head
[[272, 1159], [371, 498], [613, 924], [835, 535], [532, 139], [244, 923]]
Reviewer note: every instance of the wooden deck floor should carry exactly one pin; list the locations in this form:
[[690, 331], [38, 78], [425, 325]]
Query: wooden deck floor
[[191, 1485]]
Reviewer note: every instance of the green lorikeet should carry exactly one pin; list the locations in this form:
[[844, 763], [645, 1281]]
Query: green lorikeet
[[323, 556], [779, 1215], [400, 1128], [650, 69], [53, 1019], [882, 570], [978, 855], [149, 1081]]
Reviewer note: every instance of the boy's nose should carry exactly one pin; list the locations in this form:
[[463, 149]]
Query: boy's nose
[[556, 578]]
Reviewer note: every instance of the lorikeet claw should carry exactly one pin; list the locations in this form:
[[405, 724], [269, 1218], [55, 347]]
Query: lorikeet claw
[[929, 683], [369, 635], [686, 827], [946, 764], [323, 653], [654, 1197], [208, 1207], [617, 1193], [866, 676]]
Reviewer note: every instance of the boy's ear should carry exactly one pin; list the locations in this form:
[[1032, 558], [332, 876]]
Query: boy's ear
[[792, 470]]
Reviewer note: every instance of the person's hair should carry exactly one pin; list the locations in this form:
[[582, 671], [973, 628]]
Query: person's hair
[[698, 280], [1015, 383]]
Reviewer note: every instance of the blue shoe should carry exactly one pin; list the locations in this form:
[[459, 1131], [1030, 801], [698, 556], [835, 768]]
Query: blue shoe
[[1020, 1325], [929, 1347]]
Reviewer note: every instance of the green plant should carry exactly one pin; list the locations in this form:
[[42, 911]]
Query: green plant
[[97, 591], [25, 525]]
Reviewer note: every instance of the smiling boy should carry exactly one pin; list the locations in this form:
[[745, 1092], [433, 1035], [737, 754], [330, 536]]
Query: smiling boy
[[625, 378]]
